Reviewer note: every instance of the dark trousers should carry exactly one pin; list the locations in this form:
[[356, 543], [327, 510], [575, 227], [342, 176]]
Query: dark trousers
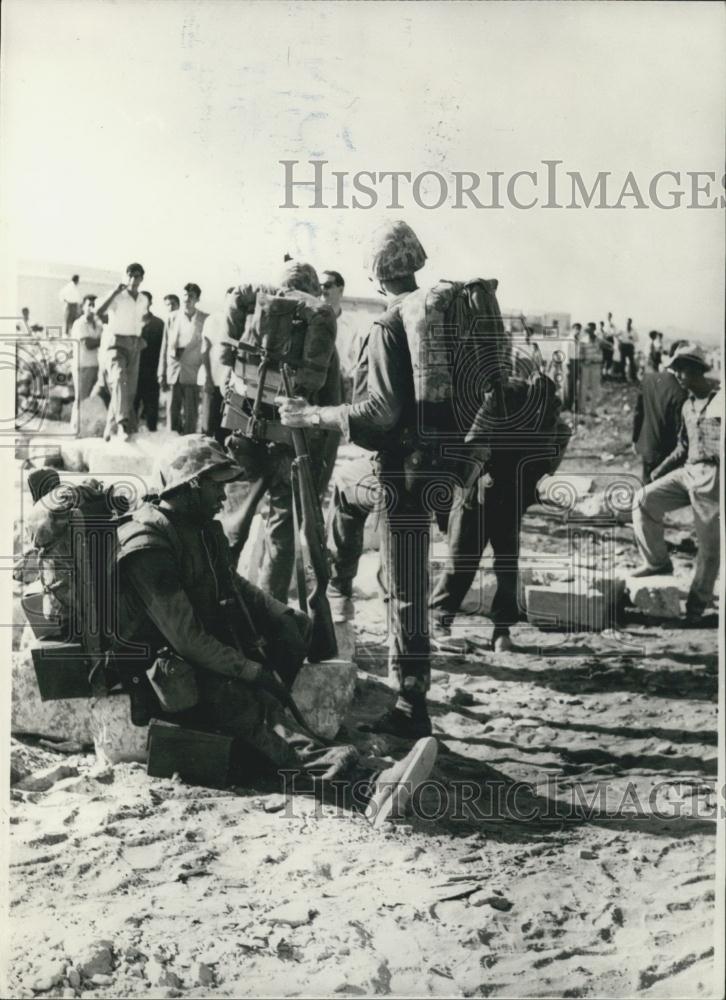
[[356, 494], [183, 408], [471, 527], [627, 361], [273, 462], [211, 413], [147, 402], [405, 542]]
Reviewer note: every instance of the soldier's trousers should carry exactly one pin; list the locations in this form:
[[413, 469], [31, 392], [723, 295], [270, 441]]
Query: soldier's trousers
[[274, 463], [356, 494], [381, 485]]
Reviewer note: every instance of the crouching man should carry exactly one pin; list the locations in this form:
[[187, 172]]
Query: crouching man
[[688, 476], [179, 593]]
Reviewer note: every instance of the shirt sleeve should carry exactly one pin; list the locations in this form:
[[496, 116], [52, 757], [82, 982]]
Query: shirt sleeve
[[155, 578], [388, 383]]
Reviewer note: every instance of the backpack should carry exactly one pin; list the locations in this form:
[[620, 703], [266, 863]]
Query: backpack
[[71, 607], [295, 329], [459, 350]]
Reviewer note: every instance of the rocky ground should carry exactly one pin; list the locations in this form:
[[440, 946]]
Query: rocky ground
[[565, 848]]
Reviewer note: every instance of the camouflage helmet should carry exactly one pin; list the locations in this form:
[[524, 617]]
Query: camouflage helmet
[[300, 277], [394, 251], [193, 456]]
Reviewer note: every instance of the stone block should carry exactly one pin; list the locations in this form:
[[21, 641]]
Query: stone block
[[345, 635], [324, 693], [658, 596], [66, 719], [565, 606], [115, 738]]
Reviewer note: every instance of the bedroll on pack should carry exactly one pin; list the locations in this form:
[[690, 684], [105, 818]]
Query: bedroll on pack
[[72, 529], [459, 352], [293, 328]]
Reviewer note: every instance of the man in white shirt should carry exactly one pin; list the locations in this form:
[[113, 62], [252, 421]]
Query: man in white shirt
[[179, 364], [125, 309], [70, 296]]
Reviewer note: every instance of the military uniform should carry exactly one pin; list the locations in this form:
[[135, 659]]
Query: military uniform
[[175, 573], [318, 382]]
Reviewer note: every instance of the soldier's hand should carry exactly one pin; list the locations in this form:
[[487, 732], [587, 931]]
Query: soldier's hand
[[121, 287], [295, 412]]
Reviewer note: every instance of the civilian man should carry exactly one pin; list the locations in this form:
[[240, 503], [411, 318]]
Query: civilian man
[[147, 393], [179, 364], [688, 476], [125, 309]]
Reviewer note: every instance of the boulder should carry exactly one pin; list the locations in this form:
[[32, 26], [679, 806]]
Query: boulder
[[324, 693]]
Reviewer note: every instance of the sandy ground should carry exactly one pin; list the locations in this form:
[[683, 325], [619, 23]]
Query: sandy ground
[[569, 848]]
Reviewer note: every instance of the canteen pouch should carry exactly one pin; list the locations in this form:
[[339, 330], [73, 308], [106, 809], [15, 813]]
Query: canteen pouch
[[173, 681]]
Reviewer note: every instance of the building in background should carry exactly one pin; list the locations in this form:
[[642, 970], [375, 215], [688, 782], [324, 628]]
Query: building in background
[[39, 283]]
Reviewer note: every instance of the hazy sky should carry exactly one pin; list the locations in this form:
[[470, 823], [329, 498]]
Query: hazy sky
[[153, 130]]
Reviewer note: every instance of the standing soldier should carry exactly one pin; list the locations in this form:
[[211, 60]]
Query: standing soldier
[[261, 445], [398, 402]]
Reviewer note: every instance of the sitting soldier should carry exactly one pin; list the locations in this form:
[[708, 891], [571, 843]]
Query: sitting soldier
[[179, 590]]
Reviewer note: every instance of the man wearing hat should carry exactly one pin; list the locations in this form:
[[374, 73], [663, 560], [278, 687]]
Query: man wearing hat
[[176, 576], [688, 476], [383, 418]]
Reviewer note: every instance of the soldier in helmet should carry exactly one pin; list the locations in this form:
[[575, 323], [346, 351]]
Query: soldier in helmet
[[383, 418], [316, 380], [176, 582]]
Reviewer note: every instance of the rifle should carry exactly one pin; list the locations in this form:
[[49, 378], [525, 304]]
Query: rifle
[[323, 644]]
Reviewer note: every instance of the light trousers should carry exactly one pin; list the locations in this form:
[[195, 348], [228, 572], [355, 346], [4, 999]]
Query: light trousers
[[698, 485]]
